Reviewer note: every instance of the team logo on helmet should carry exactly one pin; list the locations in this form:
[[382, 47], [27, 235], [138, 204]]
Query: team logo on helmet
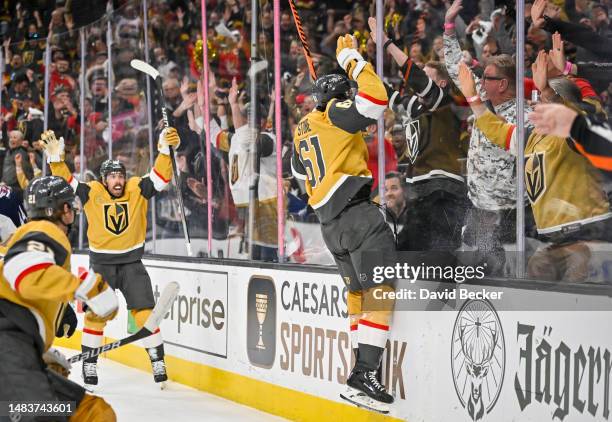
[[535, 176], [116, 217]]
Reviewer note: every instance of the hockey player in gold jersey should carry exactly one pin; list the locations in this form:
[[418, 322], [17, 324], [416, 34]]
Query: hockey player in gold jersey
[[330, 155], [116, 211], [564, 189], [35, 287]]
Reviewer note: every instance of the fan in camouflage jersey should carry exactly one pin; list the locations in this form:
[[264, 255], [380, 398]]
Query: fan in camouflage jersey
[[491, 175]]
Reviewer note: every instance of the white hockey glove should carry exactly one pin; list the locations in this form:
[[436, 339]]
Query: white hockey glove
[[348, 57], [53, 147], [100, 299], [56, 361], [168, 138]]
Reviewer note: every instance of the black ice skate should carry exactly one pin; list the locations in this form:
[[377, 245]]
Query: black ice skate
[[90, 374], [364, 390], [159, 371], [156, 354]]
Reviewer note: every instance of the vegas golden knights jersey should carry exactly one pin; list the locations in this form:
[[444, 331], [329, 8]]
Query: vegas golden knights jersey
[[330, 154], [117, 227], [563, 187], [35, 280], [241, 170], [433, 149]]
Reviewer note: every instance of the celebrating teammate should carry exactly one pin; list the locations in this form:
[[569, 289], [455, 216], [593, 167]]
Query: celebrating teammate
[[330, 155], [35, 287], [116, 209]]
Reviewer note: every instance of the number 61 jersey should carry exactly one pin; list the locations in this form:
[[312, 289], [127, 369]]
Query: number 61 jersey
[[330, 154]]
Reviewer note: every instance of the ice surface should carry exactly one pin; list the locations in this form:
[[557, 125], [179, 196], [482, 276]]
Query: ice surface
[[135, 397]]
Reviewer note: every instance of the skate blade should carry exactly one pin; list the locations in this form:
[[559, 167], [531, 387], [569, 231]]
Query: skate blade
[[91, 388], [162, 385], [361, 399]]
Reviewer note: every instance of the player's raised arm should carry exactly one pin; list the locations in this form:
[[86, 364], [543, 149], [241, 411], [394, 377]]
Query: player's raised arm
[[371, 99], [431, 95], [161, 173]]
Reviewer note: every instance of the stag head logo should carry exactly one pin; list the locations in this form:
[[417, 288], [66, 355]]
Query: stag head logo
[[478, 357]]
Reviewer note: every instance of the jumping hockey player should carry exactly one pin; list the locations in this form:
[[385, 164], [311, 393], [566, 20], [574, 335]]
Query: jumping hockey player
[[330, 155], [35, 287], [116, 209]]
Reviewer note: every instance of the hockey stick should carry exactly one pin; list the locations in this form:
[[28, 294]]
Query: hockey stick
[[157, 314], [302, 35], [153, 73]]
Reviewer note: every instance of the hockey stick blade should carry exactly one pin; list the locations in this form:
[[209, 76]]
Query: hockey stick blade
[[163, 304], [257, 67], [157, 314], [145, 68]]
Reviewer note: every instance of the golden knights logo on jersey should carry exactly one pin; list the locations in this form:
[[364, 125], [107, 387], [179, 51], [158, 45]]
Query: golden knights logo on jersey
[[413, 132], [535, 176], [28, 57], [234, 169], [22, 126], [116, 217]]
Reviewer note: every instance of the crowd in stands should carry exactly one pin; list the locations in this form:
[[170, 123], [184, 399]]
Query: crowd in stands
[[450, 137]]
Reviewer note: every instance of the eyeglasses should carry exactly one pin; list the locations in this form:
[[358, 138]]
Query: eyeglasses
[[492, 78]]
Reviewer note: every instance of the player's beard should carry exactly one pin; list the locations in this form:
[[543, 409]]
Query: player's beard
[[116, 189]]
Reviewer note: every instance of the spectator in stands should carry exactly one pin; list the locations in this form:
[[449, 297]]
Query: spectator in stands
[[398, 140], [159, 56], [98, 86], [370, 136], [60, 76], [15, 65], [63, 115], [395, 197], [594, 44], [564, 189], [491, 179], [432, 155], [240, 159], [172, 93], [9, 168], [88, 175], [22, 87], [32, 50]]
